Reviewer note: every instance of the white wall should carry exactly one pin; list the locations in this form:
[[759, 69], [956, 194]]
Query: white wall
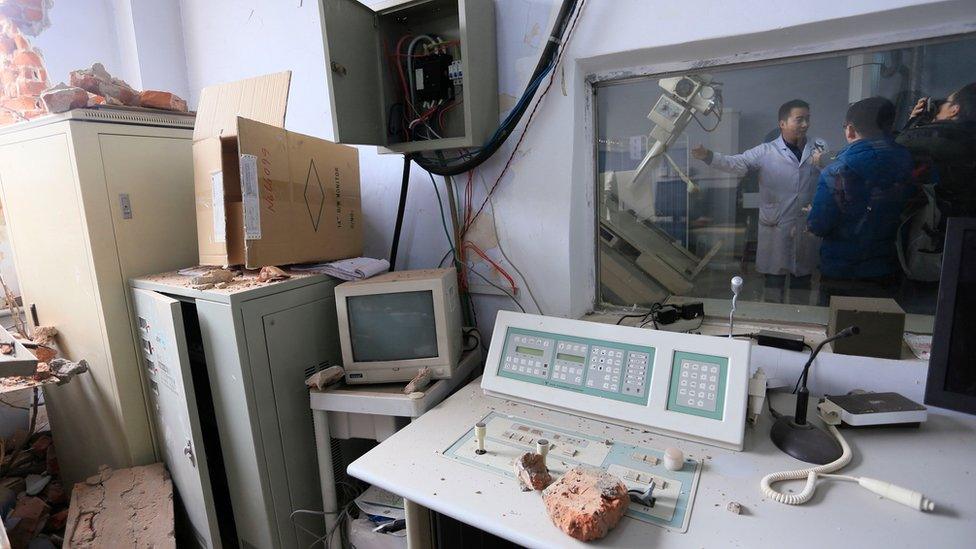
[[82, 32], [545, 202]]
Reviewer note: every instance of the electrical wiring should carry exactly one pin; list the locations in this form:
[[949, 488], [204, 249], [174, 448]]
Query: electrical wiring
[[547, 61], [499, 288], [496, 266], [528, 122]]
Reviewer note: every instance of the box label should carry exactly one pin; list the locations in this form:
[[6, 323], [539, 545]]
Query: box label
[[217, 199], [251, 197]]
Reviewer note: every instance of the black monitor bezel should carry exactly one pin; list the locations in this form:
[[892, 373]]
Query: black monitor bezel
[[935, 393]]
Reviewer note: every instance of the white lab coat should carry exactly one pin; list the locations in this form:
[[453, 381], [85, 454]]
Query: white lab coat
[[786, 186]]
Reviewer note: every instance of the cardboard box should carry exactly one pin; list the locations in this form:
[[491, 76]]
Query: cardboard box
[[264, 195], [882, 324]]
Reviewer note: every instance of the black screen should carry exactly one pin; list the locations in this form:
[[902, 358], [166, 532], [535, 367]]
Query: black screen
[[961, 367]]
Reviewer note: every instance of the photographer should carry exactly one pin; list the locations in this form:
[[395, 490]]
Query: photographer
[[942, 140]]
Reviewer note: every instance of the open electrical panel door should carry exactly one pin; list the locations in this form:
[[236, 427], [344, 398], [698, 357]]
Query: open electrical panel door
[[353, 57], [173, 408]]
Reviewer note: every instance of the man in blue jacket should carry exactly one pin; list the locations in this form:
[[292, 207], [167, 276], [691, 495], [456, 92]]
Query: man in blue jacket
[[858, 204]]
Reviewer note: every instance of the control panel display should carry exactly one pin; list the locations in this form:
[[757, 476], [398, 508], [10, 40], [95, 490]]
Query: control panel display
[[618, 371], [688, 385]]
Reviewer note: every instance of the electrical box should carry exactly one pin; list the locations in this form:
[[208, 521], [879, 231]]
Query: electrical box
[[412, 75]]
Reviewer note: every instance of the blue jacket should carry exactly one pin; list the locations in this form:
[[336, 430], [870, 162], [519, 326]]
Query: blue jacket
[[857, 208]]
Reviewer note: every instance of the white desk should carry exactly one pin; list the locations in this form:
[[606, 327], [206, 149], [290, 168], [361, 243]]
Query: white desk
[[936, 459], [371, 412]]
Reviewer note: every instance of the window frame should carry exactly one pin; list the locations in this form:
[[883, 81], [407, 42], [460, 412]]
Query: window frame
[[751, 311]]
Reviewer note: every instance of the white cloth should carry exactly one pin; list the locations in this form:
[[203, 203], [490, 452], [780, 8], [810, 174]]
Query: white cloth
[[356, 268], [786, 186]]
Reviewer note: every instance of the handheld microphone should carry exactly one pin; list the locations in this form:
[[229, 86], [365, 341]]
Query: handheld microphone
[[736, 288], [820, 144]]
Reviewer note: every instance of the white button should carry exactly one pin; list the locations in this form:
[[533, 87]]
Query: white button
[[508, 359], [694, 375], [522, 369], [711, 396], [578, 379], [682, 391], [545, 343], [701, 394], [711, 387], [535, 371], [691, 402], [700, 403], [713, 379], [714, 369], [684, 374], [589, 383], [684, 382], [606, 385]]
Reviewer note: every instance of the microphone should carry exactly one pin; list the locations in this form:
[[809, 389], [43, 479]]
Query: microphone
[[820, 144], [794, 435], [803, 394], [736, 288]]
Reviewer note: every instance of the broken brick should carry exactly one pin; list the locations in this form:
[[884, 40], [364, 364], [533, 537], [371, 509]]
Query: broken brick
[[57, 521], [55, 494], [586, 503], [162, 100], [531, 471], [271, 273], [41, 444], [27, 58], [32, 513], [98, 81], [21, 104]]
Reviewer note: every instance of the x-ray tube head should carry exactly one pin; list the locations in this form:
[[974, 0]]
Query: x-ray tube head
[[683, 97]]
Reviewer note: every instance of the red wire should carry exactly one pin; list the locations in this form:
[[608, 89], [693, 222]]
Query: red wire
[[496, 266]]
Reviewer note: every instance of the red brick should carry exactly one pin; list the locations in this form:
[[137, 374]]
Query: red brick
[[8, 75], [30, 115], [162, 100], [57, 521], [586, 503], [21, 42], [7, 118], [21, 104], [30, 87], [7, 45], [531, 471], [27, 58], [33, 15]]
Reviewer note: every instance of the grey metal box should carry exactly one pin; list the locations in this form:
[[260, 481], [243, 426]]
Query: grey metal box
[[362, 87], [882, 324], [225, 370]]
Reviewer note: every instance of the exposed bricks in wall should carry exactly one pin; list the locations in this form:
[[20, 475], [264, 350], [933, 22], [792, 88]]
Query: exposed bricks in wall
[[22, 73]]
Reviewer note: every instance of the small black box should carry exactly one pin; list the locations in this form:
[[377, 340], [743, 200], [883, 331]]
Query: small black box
[[790, 342], [431, 79], [882, 324]]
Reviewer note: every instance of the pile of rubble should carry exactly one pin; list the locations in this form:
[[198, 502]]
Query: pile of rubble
[[95, 86], [33, 499]]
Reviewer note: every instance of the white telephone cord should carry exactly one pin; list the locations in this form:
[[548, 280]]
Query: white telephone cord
[[901, 495]]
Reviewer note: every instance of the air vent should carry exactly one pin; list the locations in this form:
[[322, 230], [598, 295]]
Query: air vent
[[125, 116]]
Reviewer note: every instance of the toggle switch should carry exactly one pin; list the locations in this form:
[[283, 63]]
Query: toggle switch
[[674, 459], [542, 448], [480, 431]]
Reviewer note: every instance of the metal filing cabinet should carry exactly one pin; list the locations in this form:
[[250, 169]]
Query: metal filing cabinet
[[225, 370], [92, 198]]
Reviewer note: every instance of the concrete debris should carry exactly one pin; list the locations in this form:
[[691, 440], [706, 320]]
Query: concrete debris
[[415, 396], [272, 274], [735, 507], [419, 381], [162, 100], [531, 471], [44, 335], [6, 348], [43, 353], [221, 285], [65, 369], [202, 286], [63, 98], [97, 80], [326, 377], [214, 276], [586, 503], [36, 483], [32, 513], [122, 508]]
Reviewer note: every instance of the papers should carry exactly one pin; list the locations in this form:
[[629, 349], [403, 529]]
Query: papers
[[348, 269]]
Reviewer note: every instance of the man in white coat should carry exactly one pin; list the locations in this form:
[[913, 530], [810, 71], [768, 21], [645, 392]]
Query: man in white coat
[[788, 173]]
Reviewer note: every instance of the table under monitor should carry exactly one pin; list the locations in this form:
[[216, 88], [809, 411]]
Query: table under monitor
[[433, 463]]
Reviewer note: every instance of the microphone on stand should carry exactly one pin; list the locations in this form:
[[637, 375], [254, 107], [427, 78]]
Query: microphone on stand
[[793, 434]]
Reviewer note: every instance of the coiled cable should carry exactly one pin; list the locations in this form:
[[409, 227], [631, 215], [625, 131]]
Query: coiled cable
[[811, 475]]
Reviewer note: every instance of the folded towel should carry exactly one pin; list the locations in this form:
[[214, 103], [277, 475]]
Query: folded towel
[[348, 269]]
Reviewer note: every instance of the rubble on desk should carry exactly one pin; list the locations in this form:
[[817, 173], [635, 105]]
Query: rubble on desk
[[95, 86], [419, 381], [531, 471], [586, 503], [272, 274], [322, 379]]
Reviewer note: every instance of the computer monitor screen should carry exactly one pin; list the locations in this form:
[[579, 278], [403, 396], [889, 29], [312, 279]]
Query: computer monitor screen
[[952, 371], [392, 326], [961, 374]]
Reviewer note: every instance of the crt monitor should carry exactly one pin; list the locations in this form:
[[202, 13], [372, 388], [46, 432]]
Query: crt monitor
[[952, 370], [394, 324]]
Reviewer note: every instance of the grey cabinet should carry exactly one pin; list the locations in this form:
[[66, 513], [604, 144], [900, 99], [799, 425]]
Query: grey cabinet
[[233, 409]]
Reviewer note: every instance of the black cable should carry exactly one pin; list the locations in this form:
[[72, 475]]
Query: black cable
[[797, 385], [546, 62], [404, 184], [622, 318]]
